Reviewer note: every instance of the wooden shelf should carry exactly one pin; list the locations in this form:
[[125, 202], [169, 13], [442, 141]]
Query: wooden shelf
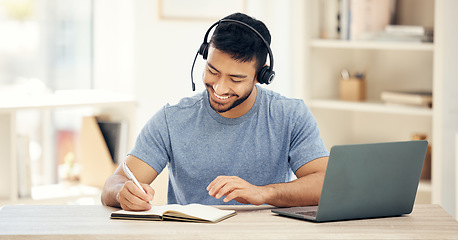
[[374, 107], [371, 45], [62, 99], [58, 194]]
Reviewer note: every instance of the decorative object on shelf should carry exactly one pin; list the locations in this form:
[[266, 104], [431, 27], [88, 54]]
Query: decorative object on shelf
[[96, 161], [426, 172], [352, 88], [361, 19], [68, 167], [329, 19], [24, 176], [406, 33], [368, 18], [115, 135], [413, 98]]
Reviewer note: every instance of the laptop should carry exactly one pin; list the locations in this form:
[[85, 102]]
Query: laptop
[[367, 181]]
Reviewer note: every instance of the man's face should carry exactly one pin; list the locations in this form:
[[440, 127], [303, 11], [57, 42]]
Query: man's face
[[230, 84]]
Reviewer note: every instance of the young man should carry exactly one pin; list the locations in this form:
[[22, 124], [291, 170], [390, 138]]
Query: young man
[[235, 142]]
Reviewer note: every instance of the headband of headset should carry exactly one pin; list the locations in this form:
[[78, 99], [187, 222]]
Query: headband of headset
[[265, 75]]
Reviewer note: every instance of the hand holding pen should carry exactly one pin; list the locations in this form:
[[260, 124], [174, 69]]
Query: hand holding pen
[[131, 176]]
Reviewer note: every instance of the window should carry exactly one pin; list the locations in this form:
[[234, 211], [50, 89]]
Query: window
[[45, 46], [46, 41]]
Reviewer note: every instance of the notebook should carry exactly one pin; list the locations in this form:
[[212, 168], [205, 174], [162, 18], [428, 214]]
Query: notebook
[[367, 181], [188, 213]]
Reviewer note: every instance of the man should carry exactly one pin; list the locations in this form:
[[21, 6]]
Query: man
[[235, 142]]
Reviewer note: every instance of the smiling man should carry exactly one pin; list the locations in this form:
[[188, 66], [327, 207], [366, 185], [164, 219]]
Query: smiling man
[[234, 143]]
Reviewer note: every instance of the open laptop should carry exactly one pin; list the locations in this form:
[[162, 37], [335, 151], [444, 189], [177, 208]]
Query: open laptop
[[367, 181]]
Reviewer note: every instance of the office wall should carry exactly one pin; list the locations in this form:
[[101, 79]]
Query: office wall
[[114, 46]]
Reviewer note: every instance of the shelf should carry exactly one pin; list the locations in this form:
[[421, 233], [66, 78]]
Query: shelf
[[373, 107], [371, 45], [52, 191], [62, 98], [391, 66], [59, 194]]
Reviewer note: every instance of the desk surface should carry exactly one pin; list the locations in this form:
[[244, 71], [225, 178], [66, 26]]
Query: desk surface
[[93, 222]]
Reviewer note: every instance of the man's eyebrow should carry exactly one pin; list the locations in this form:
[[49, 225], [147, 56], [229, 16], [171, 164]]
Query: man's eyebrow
[[211, 66], [231, 75]]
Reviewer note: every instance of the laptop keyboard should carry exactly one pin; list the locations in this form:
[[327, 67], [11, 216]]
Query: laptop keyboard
[[307, 213]]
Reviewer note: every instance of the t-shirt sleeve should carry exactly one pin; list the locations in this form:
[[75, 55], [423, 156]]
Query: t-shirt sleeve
[[306, 143], [153, 143]]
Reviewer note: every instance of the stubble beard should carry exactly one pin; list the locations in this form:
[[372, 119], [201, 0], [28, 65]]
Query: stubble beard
[[233, 105]]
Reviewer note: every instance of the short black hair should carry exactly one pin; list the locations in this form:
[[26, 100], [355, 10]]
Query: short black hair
[[241, 42]]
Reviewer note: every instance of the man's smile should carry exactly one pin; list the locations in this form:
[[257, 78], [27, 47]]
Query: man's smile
[[221, 97]]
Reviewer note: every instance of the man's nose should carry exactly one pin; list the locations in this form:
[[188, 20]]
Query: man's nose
[[221, 86]]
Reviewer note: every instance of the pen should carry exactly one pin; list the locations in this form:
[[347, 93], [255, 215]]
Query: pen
[[131, 176]]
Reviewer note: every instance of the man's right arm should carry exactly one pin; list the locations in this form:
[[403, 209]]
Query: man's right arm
[[119, 191]]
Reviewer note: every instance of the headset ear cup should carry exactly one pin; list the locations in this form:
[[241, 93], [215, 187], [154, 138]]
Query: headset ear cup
[[270, 76], [261, 74], [265, 76], [203, 50]]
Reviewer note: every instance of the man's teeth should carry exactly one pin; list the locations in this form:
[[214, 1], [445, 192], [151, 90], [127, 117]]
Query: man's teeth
[[221, 97]]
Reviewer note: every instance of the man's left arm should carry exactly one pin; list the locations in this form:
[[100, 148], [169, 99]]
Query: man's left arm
[[303, 191]]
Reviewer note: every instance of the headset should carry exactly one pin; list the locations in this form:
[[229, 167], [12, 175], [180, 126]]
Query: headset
[[266, 75]]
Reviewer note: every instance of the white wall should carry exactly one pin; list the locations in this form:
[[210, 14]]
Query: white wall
[[164, 53], [114, 47]]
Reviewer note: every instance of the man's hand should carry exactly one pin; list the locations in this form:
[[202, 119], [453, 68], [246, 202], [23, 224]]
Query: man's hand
[[131, 198], [235, 188], [303, 191]]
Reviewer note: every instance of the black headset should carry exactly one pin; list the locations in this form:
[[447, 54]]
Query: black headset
[[265, 75]]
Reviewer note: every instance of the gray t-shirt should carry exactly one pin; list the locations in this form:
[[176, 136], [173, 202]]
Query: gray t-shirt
[[264, 146]]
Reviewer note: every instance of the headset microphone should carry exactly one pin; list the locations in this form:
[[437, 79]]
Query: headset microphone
[[266, 75], [192, 71]]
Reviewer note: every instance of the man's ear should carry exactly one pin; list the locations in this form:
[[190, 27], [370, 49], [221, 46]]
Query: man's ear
[[256, 78], [257, 73]]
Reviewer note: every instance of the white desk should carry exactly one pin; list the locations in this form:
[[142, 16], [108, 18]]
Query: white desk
[[93, 222], [118, 106]]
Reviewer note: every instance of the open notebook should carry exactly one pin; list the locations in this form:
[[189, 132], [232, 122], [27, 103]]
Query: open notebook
[[189, 213]]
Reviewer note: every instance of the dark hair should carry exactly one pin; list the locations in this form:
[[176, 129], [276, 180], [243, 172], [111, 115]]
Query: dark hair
[[241, 42]]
